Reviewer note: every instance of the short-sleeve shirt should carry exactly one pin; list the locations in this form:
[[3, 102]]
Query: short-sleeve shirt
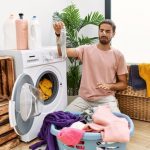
[[99, 66]]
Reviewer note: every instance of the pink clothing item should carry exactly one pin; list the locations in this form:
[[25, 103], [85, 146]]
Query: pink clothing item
[[117, 131], [114, 129], [93, 127], [70, 136], [103, 115], [99, 67]]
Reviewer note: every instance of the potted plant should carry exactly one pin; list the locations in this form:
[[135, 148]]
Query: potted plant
[[74, 23]]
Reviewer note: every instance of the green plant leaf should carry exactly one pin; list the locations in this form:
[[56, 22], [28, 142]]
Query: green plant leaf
[[73, 79], [86, 40], [93, 18], [71, 17]]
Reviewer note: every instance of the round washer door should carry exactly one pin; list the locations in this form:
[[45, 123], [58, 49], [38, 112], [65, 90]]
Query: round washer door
[[21, 105]]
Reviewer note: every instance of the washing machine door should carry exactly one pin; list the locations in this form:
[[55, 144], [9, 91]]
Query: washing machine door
[[22, 105]]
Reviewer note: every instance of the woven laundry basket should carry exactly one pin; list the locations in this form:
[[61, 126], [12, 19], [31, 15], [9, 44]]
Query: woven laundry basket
[[134, 103]]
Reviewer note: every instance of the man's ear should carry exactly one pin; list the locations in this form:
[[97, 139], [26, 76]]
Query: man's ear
[[113, 34]]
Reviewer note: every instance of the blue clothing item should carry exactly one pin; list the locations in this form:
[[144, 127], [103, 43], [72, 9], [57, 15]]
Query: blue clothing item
[[135, 80], [60, 119]]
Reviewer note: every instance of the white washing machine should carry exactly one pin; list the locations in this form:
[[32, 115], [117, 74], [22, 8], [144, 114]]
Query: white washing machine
[[26, 111]]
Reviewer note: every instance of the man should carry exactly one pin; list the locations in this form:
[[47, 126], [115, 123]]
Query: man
[[103, 72]]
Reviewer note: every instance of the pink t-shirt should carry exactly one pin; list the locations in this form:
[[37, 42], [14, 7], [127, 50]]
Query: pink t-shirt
[[99, 67]]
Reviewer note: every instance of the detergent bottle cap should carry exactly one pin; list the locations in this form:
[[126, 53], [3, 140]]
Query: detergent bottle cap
[[21, 15], [34, 17], [11, 16]]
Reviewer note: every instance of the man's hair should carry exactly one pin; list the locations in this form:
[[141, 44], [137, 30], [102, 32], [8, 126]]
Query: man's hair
[[110, 22]]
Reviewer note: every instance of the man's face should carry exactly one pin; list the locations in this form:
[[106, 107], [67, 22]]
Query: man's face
[[105, 34]]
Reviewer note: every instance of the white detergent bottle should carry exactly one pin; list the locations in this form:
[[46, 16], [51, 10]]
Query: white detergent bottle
[[9, 33], [35, 40], [63, 42], [63, 37]]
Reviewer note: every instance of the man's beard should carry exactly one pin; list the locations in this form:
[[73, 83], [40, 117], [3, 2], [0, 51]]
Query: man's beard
[[104, 40]]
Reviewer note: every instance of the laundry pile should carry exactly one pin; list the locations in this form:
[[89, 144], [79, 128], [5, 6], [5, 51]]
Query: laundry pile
[[45, 87], [71, 128]]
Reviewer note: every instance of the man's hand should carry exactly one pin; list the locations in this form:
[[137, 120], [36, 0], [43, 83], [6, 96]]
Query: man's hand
[[58, 26], [104, 86], [120, 85]]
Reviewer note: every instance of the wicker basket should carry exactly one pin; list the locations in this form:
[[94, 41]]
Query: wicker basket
[[134, 103]]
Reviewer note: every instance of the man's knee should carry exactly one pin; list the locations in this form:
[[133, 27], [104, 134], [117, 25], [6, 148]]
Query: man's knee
[[78, 105]]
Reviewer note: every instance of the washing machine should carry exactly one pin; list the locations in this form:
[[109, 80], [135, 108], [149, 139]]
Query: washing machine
[[26, 108]]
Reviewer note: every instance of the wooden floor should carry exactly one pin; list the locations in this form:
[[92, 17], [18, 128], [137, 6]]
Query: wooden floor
[[140, 140]]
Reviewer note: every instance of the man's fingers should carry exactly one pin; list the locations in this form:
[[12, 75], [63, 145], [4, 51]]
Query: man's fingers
[[103, 86], [58, 26]]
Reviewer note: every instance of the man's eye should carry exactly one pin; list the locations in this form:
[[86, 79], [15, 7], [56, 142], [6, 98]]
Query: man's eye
[[107, 31]]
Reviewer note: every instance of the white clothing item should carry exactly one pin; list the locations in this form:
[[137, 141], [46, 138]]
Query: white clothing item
[[79, 104]]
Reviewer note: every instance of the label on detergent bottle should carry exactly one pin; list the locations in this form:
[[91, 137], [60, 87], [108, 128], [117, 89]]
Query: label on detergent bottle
[[35, 34], [9, 30], [22, 33]]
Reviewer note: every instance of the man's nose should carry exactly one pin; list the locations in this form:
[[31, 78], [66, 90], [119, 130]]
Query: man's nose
[[104, 32]]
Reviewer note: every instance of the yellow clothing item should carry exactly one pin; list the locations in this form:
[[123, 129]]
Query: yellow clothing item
[[144, 72], [43, 96], [47, 83], [45, 90], [45, 86]]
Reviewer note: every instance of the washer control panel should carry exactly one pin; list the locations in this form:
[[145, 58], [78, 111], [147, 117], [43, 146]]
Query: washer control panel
[[40, 57]]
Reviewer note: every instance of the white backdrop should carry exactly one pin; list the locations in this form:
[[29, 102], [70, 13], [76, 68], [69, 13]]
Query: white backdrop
[[44, 9], [132, 18]]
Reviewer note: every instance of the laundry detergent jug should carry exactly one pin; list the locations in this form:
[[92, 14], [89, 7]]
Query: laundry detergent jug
[[9, 33], [34, 34], [22, 33], [63, 42]]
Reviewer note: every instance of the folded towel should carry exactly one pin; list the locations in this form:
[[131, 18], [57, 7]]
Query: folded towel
[[135, 80]]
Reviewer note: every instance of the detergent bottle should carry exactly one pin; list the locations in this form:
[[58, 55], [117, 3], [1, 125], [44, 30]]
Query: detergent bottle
[[22, 33], [9, 33], [34, 34], [63, 42]]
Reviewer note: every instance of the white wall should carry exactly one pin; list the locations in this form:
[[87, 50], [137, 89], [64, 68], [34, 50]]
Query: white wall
[[44, 10], [132, 18]]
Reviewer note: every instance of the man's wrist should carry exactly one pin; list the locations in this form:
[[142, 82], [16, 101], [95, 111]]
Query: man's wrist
[[57, 34], [58, 42]]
